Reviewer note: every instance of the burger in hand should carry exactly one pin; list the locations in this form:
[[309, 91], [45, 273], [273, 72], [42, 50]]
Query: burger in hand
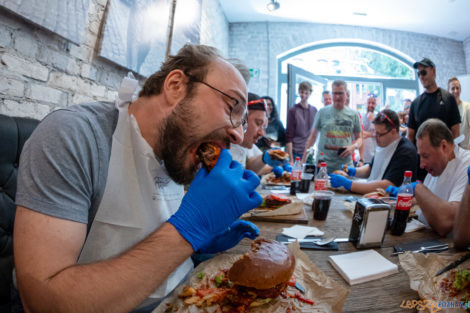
[[208, 153]]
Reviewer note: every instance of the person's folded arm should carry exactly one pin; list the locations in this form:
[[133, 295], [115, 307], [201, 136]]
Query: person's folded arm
[[310, 142], [461, 229], [49, 280], [439, 213], [366, 187]]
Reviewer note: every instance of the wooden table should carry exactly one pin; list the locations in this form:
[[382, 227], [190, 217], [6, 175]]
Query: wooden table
[[382, 295]]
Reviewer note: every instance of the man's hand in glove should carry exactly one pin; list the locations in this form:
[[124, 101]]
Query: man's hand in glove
[[230, 237], [215, 200]]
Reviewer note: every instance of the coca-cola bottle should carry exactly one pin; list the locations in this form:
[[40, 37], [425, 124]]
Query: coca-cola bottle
[[295, 176], [321, 179], [403, 206]]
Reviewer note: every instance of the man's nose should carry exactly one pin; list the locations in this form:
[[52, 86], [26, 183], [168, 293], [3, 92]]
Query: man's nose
[[235, 134]]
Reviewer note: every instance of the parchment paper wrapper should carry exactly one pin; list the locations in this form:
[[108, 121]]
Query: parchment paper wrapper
[[295, 207], [422, 268], [329, 296], [265, 180]]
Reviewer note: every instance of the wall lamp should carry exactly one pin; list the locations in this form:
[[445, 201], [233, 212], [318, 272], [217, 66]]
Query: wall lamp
[[273, 5]]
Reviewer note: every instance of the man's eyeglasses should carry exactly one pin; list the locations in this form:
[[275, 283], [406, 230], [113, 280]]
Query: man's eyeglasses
[[383, 117], [238, 112], [422, 73], [378, 135]]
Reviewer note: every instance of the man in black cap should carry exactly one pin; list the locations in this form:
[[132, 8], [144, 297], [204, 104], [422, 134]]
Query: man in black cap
[[434, 102]]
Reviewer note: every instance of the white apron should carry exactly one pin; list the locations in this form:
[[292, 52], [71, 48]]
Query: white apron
[[382, 159], [139, 196]]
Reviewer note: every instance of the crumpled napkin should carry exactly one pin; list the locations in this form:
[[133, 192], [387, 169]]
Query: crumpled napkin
[[300, 232], [414, 225]]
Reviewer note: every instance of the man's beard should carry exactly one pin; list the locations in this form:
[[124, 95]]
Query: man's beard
[[176, 139]]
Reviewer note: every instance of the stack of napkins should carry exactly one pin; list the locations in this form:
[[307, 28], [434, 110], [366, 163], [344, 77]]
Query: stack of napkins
[[300, 232], [362, 266]]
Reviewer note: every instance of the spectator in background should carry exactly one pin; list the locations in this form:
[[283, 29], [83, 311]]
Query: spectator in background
[[299, 123], [338, 126], [454, 88], [403, 128], [434, 102], [275, 132], [326, 98], [368, 130], [394, 155]]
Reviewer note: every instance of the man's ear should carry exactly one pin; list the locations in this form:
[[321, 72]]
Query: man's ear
[[175, 87]]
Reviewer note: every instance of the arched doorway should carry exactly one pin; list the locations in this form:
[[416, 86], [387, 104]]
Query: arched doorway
[[368, 68]]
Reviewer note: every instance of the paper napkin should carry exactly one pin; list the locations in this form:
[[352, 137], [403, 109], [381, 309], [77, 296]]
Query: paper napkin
[[300, 232]]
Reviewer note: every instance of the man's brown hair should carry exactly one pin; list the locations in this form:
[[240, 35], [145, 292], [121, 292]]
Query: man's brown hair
[[436, 130], [191, 59], [305, 86], [451, 80]]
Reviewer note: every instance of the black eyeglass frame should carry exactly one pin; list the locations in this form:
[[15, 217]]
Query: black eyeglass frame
[[244, 119], [378, 135]]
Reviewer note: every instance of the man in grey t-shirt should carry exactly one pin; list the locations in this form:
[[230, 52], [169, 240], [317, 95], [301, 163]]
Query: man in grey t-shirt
[[101, 223], [338, 127]]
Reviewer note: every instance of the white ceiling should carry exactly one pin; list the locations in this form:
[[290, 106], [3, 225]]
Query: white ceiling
[[443, 18]]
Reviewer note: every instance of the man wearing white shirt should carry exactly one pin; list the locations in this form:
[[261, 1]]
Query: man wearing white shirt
[[393, 156], [247, 153], [446, 163]]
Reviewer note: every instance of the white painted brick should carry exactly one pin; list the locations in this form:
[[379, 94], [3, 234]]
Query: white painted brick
[[82, 52], [11, 87], [24, 109], [5, 37], [88, 71], [102, 2], [24, 67], [79, 98], [93, 89], [111, 95], [46, 94], [63, 81], [25, 44], [72, 67]]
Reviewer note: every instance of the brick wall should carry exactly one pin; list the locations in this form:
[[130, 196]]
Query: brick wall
[[259, 44], [466, 48], [41, 72]]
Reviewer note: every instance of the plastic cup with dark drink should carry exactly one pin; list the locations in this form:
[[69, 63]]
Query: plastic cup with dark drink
[[321, 204]]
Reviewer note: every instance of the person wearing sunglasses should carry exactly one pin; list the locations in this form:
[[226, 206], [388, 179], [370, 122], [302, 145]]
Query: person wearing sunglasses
[[440, 194], [394, 155], [434, 102], [101, 207]]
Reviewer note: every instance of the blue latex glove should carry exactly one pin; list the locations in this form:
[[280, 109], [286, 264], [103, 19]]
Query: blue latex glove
[[393, 191], [288, 168], [267, 159], [215, 200], [351, 170], [230, 237], [337, 181], [277, 170], [468, 174]]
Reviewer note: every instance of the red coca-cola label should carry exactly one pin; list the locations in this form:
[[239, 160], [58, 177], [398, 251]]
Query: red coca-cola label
[[296, 175], [404, 202], [320, 184]]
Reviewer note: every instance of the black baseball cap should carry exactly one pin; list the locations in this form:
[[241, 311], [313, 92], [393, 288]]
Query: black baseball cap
[[424, 62]]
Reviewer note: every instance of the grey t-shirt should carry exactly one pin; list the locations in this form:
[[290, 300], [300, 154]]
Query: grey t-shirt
[[64, 164]]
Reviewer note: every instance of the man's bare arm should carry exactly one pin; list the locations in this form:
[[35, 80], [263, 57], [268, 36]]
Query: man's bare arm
[[367, 187], [439, 213], [350, 149], [411, 135], [257, 165], [49, 280], [290, 152], [363, 171], [455, 130], [461, 229], [310, 142]]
